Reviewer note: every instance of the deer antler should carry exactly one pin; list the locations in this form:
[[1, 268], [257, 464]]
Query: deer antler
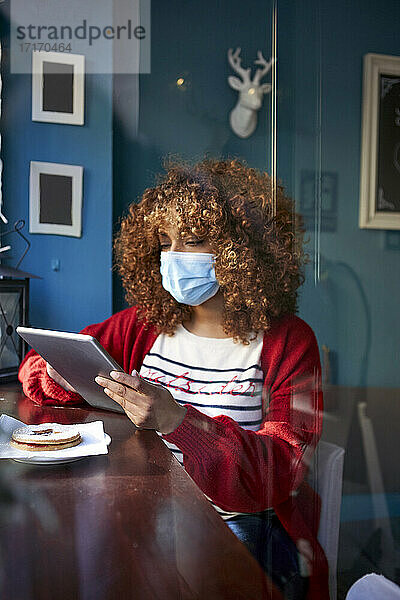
[[261, 72], [235, 62]]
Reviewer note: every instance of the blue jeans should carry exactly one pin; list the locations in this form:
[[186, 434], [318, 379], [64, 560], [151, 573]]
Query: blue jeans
[[276, 552]]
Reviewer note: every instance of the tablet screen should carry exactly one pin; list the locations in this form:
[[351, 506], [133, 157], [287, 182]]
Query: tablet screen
[[77, 357]]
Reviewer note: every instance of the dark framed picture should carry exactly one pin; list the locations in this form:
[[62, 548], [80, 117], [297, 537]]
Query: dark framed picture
[[55, 199], [58, 87], [380, 143]]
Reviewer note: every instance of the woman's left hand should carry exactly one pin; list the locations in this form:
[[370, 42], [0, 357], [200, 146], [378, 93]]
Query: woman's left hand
[[148, 406]]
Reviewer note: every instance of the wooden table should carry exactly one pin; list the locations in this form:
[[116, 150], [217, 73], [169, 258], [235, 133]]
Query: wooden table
[[130, 524]]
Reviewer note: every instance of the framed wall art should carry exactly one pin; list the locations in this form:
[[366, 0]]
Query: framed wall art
[[380, 143], [58, 87], [55, 199]]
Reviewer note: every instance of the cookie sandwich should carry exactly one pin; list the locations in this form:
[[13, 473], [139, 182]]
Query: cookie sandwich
[[45, 437]]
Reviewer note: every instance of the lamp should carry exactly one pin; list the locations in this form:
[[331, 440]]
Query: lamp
[[14, 311]]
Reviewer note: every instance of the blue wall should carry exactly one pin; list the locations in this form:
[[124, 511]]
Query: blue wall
[[81, 291], [353, 306]]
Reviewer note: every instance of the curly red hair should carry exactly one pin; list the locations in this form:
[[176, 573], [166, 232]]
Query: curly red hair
[[258, 247]]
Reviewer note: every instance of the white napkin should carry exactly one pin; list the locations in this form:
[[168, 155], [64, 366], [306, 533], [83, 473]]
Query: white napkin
[[93, 441]]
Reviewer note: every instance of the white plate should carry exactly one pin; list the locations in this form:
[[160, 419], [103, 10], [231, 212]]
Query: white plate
[[40, 460]]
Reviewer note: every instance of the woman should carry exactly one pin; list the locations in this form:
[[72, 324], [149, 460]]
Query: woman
[[215, 359]]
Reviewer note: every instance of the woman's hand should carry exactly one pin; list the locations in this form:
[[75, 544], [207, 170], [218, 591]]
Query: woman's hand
[[148, 406], [58, 379]]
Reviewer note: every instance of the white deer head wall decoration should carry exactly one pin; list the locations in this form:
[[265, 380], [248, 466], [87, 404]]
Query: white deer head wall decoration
[[243, 118]]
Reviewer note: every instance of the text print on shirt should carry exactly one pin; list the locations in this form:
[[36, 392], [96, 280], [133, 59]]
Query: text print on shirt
[[215, 375], [183, 383]]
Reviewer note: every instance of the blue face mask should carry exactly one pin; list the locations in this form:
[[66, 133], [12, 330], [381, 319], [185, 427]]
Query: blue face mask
[[189, 276]]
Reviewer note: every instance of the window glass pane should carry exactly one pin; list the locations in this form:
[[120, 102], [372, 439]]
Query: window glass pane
[[352, 279]]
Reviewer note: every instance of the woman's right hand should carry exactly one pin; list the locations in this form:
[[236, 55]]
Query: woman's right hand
[[58, 379]]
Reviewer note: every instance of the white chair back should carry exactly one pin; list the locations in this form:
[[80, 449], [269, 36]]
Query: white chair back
[[326, 477], [373, 587]]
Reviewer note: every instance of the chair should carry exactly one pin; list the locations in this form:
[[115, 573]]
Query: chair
[[390, 554], [373, 587], [326, 476]]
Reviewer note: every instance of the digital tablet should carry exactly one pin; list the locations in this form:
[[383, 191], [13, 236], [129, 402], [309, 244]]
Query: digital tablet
[[77, 357]]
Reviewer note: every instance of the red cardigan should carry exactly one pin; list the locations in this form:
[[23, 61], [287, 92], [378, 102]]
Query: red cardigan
[[240, 470]]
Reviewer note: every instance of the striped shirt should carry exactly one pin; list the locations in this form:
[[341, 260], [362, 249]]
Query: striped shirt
[[215, 375]]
